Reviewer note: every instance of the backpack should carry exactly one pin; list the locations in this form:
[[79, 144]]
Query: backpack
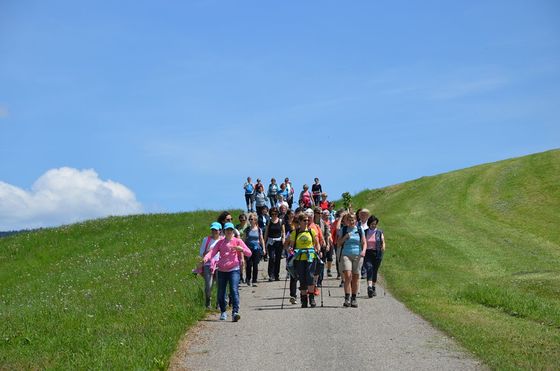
[[345, 230], [249, 188]]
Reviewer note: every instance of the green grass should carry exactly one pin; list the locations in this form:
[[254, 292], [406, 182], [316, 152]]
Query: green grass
[[114, 293], [477, 253]]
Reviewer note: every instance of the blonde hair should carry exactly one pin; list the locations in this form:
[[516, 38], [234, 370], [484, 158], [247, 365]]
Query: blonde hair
[[252, 215]]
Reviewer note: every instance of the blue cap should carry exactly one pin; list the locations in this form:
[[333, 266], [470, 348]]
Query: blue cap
[[216, 226], [229, 225]]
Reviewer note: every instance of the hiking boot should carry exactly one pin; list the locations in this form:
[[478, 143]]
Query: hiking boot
[[370, 291], [346, 303], [354, 303], [303, 299], [374, 292], [292, 299], [223, 316], [236, 317], [312, 303]]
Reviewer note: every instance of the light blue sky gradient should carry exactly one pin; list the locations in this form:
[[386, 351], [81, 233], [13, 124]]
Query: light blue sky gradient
[[181, 100]]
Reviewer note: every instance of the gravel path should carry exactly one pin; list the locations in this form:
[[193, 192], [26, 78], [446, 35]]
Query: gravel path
[[381, 334]]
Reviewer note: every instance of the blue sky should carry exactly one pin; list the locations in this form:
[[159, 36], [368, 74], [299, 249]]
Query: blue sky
[[165, 106]]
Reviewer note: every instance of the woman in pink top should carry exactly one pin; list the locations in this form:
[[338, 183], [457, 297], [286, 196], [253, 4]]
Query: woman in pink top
[[231, 251], [374, 253]]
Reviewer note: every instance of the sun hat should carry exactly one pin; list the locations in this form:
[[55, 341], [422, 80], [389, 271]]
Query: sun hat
[[229, 226], [215, 225]]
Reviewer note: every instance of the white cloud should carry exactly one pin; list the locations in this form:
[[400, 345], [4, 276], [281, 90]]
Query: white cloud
[[62, 196]]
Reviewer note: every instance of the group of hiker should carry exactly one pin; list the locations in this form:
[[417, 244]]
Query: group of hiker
[[310, 238]]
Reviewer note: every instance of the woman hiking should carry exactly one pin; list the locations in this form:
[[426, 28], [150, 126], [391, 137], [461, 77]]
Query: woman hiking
[[353, 246], [231, 250], [249, 188], [305, 245], [254, 240], [374, 253], [274, 235], [209, 267]]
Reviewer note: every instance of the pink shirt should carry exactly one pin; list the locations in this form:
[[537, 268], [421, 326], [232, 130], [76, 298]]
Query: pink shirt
[[370, 238], [230, 259]]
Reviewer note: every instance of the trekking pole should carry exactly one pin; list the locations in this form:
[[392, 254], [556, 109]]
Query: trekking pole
[[284, 292]]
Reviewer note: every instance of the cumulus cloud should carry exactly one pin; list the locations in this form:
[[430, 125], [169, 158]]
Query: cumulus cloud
[[62, 196]]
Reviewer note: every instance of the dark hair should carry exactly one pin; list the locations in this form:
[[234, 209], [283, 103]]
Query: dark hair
[[222, 217], [372, 219], [358, 213], [273, 210]]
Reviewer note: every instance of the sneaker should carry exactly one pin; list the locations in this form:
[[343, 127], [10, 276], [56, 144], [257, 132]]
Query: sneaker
[[271, 280], [236, 317], [292, 300], [341, 284], [312, 303], [374, 292], [370, 292], [303, 301], [346, 303], [354, 303], [254, 284], [329, 274], [223, 316], [249, 283]]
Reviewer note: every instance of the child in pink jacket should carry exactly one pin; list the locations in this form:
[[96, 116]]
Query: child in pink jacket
[[231, 251]]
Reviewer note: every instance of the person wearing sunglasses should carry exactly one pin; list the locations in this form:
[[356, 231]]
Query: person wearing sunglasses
[[304, 244], [254, 240], [274, 235], [231, 250]]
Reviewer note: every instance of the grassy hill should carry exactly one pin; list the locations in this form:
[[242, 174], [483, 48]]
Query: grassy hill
[[474, 251], [477, 252]]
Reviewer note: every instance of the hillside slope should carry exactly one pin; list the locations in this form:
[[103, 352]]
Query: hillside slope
[[477, 252]]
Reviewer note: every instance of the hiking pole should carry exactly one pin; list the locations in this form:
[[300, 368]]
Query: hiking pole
[[284, 292]]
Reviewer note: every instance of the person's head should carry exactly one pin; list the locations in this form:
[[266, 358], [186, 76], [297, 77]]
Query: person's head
[[287, 180], [325, 215], [303, 220], [363, 215], [283, 186], [264, 210], [289, 215], [252, 217], [351, 220], [215, 229], [283, 209], [305, 187], [229, 230], [260, 188], [280, 198], [273, 181], [309, 214], [259, 180], [316, 180], [317, 214], [344, 217], [324, 196], [372, 222], [242, 218], [302, 204], [358, 213], [248, 179], [224, 217], [331, 206], [274, 212]]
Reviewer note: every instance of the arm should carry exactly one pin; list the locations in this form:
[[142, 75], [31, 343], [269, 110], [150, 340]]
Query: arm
[[214, 251], [241, 247], [261, 241], [364, 245], [383, 242], [283, 234]]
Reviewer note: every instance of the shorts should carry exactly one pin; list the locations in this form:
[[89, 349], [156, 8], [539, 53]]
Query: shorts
[[352, 263]]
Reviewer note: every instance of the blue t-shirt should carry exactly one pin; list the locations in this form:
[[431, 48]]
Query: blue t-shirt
[[353, 245]]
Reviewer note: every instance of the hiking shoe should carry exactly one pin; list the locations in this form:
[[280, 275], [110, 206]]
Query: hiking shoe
[[370, 291], [374, 292], [354, 303], [254, 284], [292, 300], [249, 283], [303, 299], [341, 284], [312, 303], [329, 274], [223, 316], [346, 303], [270, 279], [236, 317]]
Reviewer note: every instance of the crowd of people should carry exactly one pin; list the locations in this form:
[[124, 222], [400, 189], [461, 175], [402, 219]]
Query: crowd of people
[[311, 238]]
